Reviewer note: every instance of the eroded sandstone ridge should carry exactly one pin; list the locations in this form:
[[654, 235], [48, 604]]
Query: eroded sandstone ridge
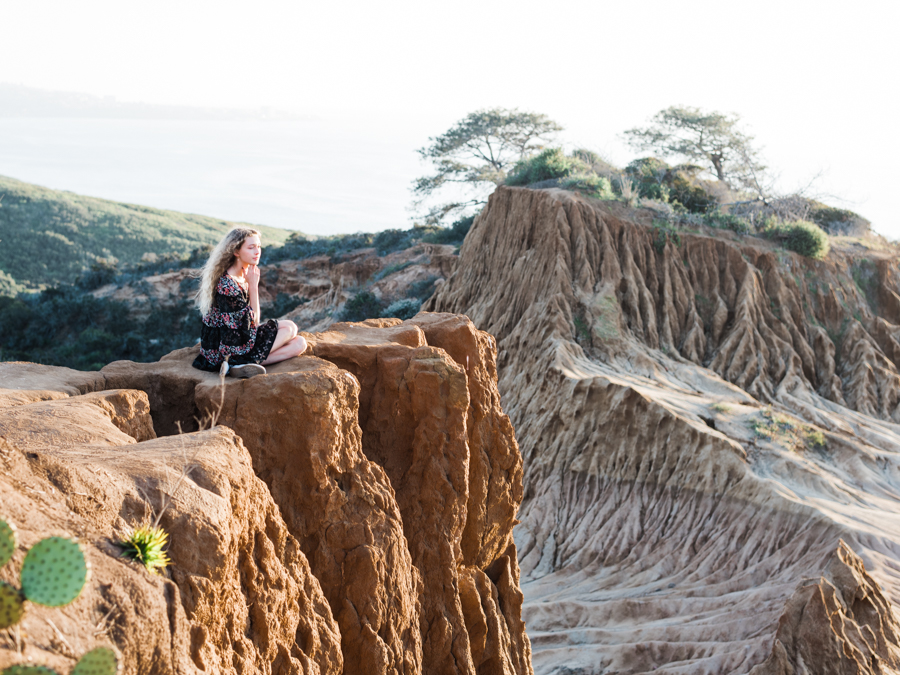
[[351, 511], [708, 427]]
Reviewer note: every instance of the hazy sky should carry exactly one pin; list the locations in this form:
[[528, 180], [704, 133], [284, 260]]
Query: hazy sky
[[813, 81]]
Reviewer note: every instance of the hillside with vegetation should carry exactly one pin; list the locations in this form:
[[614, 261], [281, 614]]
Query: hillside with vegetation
[[141, 311], [53, 237]]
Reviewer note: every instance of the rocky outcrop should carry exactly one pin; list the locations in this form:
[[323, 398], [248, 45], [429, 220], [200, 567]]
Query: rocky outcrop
[[350, 511], [702, 418], [241, 596], [839, 623]]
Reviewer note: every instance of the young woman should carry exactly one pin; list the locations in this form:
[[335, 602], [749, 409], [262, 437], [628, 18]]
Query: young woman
[[232, 340]]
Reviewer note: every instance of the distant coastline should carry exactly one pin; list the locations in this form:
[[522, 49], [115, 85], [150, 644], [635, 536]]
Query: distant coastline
[[18, 101], [320, 176]]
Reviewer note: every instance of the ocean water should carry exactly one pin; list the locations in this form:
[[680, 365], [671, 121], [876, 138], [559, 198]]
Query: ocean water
[[318, 176]]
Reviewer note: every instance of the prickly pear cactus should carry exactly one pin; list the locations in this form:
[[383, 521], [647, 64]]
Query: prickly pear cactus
[[12, 605], [99, 661], [7, 541], [54, 572], [22, 669]]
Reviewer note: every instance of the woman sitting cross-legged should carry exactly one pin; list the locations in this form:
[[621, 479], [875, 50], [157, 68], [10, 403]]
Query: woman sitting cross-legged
[[232, 340]]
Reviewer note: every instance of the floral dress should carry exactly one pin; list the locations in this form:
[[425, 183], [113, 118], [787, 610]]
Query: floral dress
[[230, 330]]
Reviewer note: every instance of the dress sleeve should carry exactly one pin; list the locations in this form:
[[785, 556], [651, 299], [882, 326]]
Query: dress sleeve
[[228, 296], [232, 301]]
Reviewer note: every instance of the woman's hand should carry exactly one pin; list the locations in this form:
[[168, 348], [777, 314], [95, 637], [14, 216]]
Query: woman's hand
[[252, 276]]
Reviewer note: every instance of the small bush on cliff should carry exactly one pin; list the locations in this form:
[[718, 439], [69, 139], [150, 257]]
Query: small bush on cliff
[[596, 163], [403, 309], [590, 184], [726, 221], [686, 190], [550, 164], [838, 221], [366, 305], [362, 306], [649, 174], [801, 237], [455, 234]]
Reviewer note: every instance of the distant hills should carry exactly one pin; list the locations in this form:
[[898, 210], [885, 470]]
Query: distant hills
[[20, 101], [51, 236]]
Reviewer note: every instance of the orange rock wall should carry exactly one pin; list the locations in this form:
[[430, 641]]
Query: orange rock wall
[[352, 511]]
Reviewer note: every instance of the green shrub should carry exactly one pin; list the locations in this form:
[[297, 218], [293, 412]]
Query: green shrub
[[100, 273], [388, 241], [549, 164], [391, 269], [815, 439], [422, 289], [689, 194], [455, 234], [591, 184], [403, 309], [63, 326], [649, 173], [726, 221], [594, 161], [663, 233], [801, 237], [299, 246], [364, 305], [838, 221], [282, 304]]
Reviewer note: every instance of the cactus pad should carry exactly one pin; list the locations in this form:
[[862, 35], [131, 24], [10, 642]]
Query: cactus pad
[[99, 661], [54, 572], [24, 669], [7, 541], [12, 605]]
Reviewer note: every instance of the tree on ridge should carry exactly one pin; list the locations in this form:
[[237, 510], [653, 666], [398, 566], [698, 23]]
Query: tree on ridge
[[711, 138], [475, 153]]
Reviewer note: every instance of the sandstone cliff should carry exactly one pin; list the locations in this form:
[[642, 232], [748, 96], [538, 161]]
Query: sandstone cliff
[[351, 512], [703, 418]]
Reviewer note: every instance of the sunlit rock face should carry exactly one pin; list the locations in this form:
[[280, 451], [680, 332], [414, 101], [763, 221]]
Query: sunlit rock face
[[351, 511], [703, 420]]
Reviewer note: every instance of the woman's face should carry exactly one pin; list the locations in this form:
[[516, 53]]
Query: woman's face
[[250, 251]]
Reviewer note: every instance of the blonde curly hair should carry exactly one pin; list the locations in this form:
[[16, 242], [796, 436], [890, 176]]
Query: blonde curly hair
[[221, 258]]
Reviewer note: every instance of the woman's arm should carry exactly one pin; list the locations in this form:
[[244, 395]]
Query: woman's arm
[[252, 276]]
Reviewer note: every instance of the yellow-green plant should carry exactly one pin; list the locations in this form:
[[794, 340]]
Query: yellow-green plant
[[146, 544], [786, 431]]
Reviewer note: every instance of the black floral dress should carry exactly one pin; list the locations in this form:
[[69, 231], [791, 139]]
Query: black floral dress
[[230, 331]]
